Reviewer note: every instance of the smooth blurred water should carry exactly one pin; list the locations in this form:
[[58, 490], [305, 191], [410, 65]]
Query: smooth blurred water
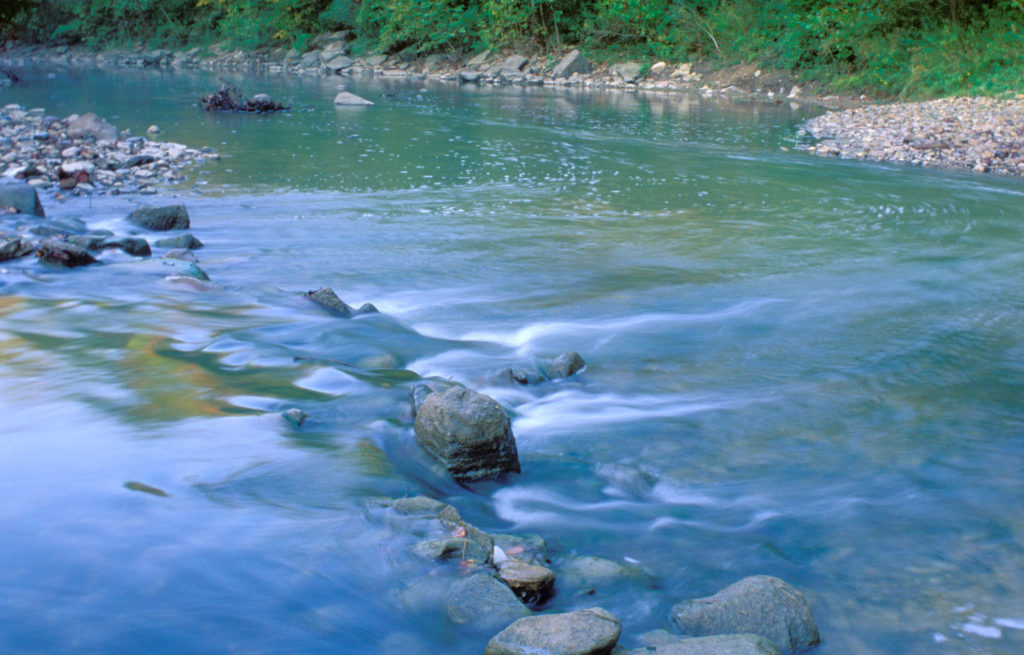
[[796, 366]]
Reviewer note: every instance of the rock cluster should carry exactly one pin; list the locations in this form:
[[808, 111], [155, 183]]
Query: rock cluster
[[85, 154], [977, 134]]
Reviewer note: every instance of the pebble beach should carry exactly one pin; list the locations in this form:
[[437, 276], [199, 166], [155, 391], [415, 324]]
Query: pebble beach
[[984, 135]]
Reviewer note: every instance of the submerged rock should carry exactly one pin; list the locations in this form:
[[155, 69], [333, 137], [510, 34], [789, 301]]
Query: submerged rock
[[160, 219], [20, 199], [592, 631], [326, 298], [185, 241], [586, 574], [62, 253], [664, 643], [131, 245], [566, 365], [761, 605], [483, 602], [14, 248], [469, 433], [294, 416]]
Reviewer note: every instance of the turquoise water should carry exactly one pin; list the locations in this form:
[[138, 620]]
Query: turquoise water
[[796, 366]]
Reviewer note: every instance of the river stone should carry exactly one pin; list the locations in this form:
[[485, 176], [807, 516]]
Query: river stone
[[350, 99], [160, 219], [566, 365], [14, 248], [62, 253], [184, 241], [589, 573], [573, 62], [660, 642], [591, 631], [376, 60], [181, 255], [760, 604], [531, 583], [326, 298], [91, 125], [627, 72], [131, 245], [530, 548], [469, 433], [21, 198], [512, 64], [295, 416], [484, 602], [417, 505]]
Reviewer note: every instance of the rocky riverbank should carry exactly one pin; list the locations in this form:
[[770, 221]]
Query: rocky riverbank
[[330, 55], [85, 154], [984, 135]]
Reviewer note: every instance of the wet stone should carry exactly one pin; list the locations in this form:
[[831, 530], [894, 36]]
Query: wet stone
[[592, 631], [483, 602]]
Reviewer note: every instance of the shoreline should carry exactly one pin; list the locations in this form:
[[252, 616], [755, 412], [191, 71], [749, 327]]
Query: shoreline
[[964, 134]]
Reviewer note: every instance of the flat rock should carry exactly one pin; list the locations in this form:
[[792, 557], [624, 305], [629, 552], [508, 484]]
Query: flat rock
[[344, 98], [160, 219], [484, 602], [592, 631], [512, 64], [761, 605], [20, 199], [627, 71], [589, 573], [531, 583], [469, 433]]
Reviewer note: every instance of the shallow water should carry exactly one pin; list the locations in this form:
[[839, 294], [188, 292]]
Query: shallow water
[[796, 366]]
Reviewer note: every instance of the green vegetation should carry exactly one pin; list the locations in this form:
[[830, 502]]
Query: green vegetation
[[906, 48]]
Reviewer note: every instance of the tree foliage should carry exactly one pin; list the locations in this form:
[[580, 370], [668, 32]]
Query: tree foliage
[[901, 47]]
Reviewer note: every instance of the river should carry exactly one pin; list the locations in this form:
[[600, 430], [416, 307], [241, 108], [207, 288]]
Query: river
[[801, 367]]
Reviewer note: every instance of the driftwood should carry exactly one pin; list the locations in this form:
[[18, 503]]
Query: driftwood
[[228, 98]]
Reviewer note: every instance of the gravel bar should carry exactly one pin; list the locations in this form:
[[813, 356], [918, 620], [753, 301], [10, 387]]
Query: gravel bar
[[984, 135]]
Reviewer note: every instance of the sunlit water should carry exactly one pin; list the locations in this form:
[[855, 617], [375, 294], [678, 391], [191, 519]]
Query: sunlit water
[[801, 367]]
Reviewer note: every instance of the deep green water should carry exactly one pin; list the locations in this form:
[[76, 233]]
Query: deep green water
[[817, 365]]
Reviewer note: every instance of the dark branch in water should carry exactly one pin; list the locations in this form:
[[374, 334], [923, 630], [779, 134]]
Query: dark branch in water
[[228, 98]]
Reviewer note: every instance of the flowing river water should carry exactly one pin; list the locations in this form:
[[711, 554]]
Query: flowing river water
[[800, 367]]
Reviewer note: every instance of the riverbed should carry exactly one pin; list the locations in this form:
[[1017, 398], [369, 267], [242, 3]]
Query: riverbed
[[799, 367]]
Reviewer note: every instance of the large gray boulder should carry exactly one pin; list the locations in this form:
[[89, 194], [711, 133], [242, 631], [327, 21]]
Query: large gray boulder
[[469, 433], [572, 63], [511, 64], [160, 219], [91, 126], [484, 603], [660, 642], [583, 632], [761, 605], [627, 72], [21, 199]]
